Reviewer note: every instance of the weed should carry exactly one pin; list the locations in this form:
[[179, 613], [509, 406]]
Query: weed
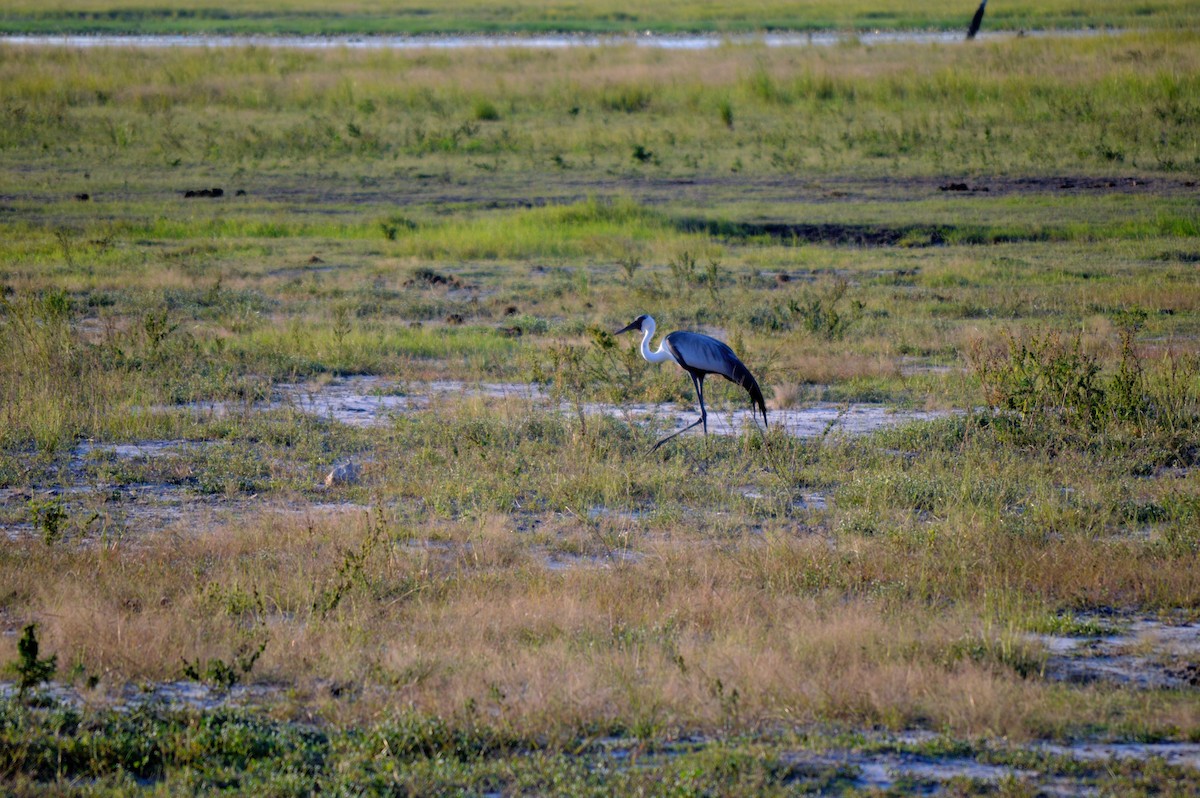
[[628, 99], [1004, 651], [49, 517], [341, 324], [396, 224], [1040, 374], [1182, 530], [1073, 625], [683, 270], [820, 316], [725, 110], [352, 570], [712, 278], [485, 111], [1126, 393], [630, 261], [156, 327], [222, 674], [29, 669], [66, 243]]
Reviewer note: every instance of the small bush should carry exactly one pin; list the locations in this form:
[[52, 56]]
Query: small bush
[[823, 315], [1043, 376], [29, 669], [725, 108], [219, 673], [394, 225], [49, 516], [484, 111], [627, 99], [530, 324]]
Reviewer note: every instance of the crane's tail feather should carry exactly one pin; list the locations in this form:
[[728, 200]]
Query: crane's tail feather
[[743, 377]]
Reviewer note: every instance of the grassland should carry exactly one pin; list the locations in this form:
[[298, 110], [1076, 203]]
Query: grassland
[[1007, 233], [311, 17]]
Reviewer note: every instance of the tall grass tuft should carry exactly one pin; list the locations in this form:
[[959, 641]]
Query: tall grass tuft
[[48, 377]]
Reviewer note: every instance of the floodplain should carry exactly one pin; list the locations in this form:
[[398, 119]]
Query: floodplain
[[321, 470]]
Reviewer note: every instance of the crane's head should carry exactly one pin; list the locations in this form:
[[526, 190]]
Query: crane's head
[[641, 324]]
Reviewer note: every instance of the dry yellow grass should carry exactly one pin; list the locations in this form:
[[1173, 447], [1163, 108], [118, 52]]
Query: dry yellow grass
[[814, 366], [750, 633]]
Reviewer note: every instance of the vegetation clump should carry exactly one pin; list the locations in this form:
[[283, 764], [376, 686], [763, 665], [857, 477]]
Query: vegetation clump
[[29, 669]]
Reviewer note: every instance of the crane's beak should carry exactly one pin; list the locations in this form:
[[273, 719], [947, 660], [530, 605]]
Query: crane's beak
[[633, 325]]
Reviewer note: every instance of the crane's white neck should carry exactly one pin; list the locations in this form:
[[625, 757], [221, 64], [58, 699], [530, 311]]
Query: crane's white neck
[[661, 355]]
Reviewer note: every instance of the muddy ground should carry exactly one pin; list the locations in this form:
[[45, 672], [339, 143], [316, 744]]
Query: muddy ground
[[329, 195], [85, 487]]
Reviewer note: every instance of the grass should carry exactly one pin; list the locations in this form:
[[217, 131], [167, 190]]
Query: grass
[[513, 584], [603, 17], [1041, 106]]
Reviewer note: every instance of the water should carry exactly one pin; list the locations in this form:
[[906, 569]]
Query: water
[[808, 500], [697, 41], [562, 561], [173, 695]]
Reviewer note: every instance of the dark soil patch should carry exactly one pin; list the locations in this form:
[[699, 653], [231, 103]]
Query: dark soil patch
[[432, 278], [538, 189], [859, 235]]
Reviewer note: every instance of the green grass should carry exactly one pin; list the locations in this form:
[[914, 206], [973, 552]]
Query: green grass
[[181, 752], [396, 123]]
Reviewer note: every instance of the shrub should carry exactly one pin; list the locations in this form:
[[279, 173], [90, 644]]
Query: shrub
[[1041, 376], [484, 111], [29, 669]]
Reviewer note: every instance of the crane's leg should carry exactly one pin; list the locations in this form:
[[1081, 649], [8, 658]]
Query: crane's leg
[[699, 383], [695, 423]]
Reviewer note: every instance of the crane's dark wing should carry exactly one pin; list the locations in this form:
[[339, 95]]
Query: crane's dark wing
[[702, 353], [976, 20]]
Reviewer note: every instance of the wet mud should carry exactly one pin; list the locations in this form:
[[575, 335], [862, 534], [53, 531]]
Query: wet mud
[[1145, 653], [366, 401], [112, 490]]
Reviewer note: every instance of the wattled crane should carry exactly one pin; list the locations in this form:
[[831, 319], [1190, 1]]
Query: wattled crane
[[699, 355]]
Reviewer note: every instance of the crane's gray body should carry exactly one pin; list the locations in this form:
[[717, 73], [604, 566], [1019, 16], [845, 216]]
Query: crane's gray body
[[702, 354]]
